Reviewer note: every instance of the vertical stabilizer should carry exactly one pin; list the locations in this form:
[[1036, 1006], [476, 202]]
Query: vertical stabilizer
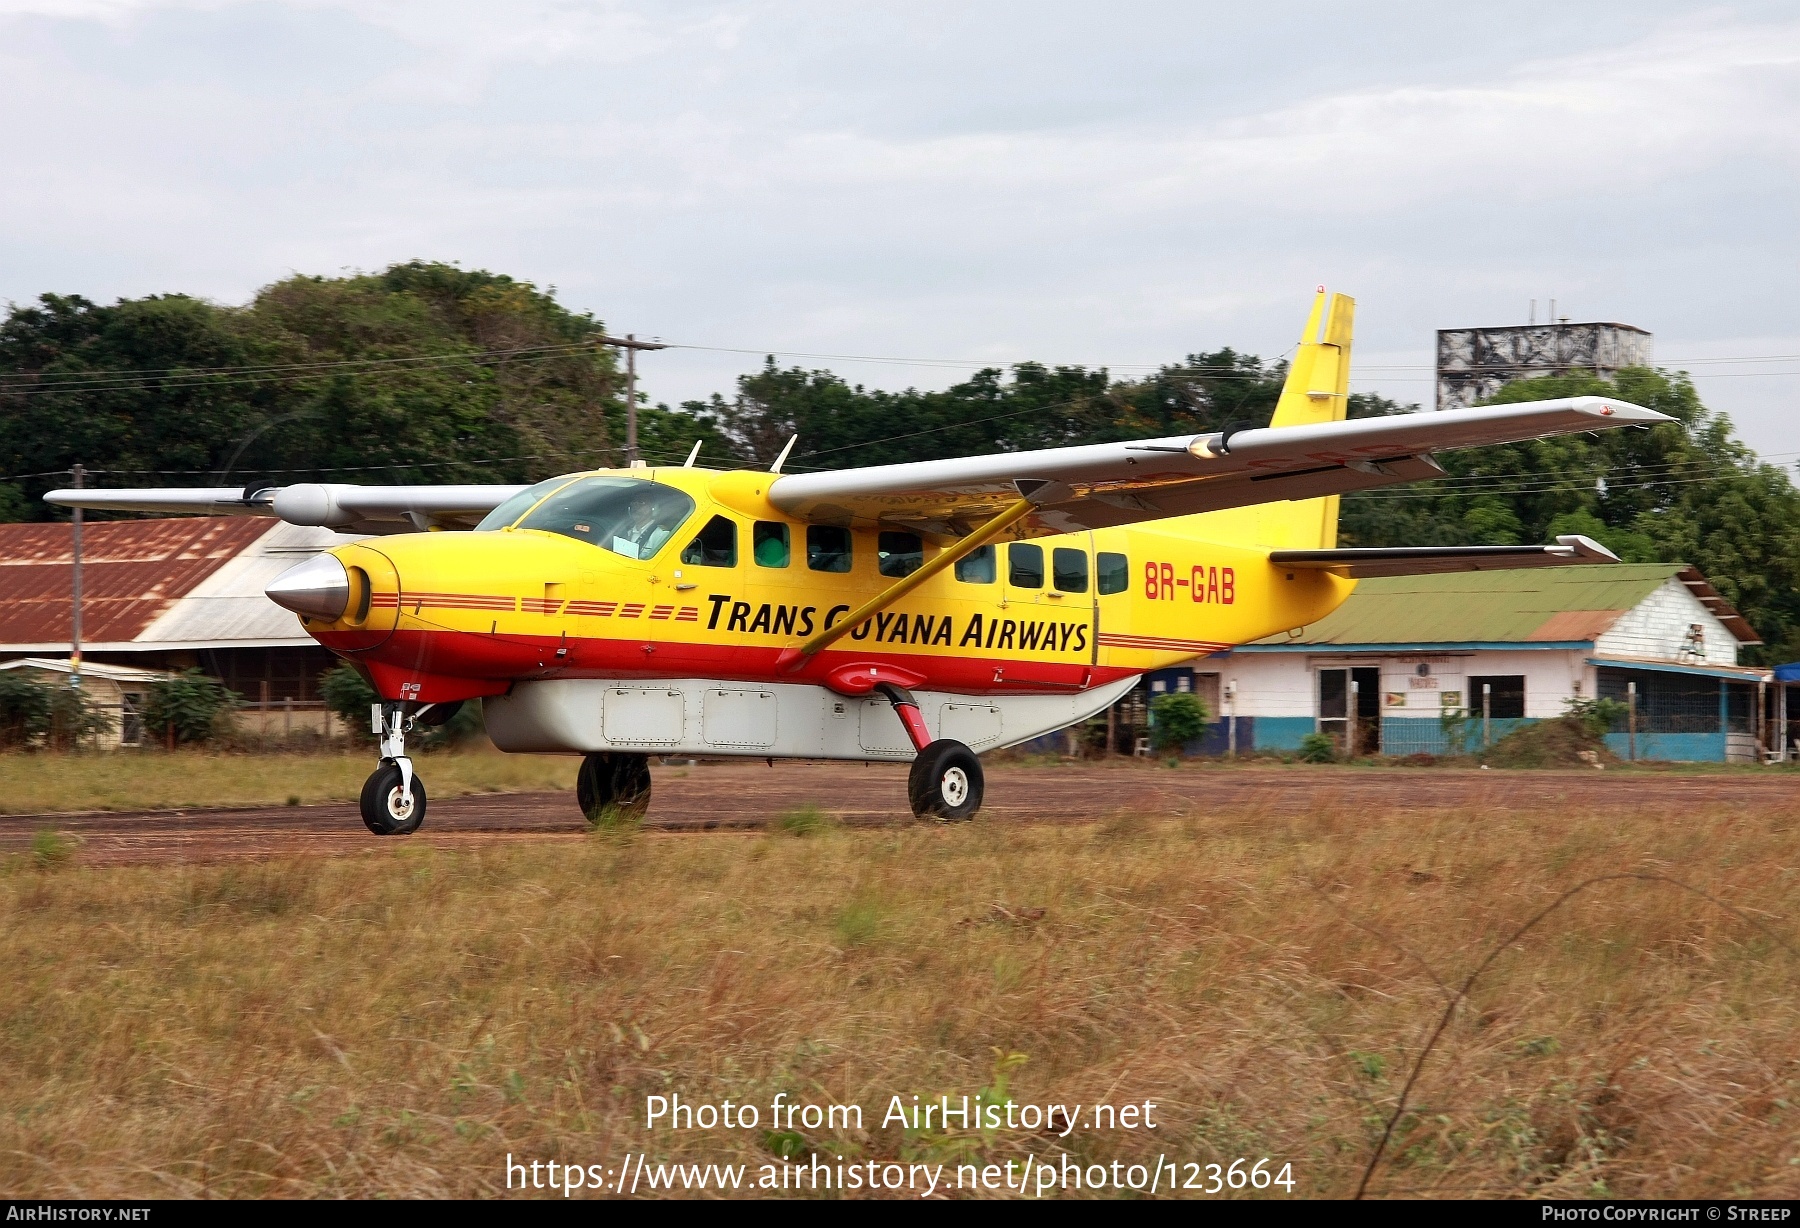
[[1317, 390]]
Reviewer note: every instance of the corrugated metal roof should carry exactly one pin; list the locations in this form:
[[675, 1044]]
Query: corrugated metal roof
[[1486, 606], [131, 572], [228, 607]]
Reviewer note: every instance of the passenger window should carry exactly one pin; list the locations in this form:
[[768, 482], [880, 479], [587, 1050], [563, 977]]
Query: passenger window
[[1113, 571], [827, 548], [899, 554], [715, 546], [1069, 570], [1025, 565], [769, 544], [977, 566]]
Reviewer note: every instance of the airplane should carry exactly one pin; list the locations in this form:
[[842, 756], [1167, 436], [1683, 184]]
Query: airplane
[[920, 612]]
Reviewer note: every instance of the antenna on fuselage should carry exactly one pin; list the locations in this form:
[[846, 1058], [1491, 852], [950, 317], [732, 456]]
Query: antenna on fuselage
[[782, 459], [694, 455]]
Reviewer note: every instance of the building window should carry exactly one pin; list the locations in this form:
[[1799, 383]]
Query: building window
[[1507, 699], [131, 718]]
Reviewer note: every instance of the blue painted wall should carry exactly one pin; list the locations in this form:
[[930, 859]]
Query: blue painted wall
[[1275, 732], [1672, 747]]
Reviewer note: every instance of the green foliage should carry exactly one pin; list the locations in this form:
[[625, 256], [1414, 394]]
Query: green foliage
[[803, 821], [76, 718], [1176, 719], [1565, 741], [453, 375], [349, 696], [1457, 727], [1598, 716], [25, 705], [50, 849], [195, 707], [1318, 748]]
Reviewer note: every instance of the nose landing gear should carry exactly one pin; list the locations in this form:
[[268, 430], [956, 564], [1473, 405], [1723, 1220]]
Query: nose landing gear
[[393, 798]]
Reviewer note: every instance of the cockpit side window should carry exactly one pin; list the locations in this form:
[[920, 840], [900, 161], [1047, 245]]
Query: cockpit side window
[[628, 516], [713, 546]]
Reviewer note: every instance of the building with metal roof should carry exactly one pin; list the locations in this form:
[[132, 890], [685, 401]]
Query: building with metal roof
[[1443, 663], [166, 595]]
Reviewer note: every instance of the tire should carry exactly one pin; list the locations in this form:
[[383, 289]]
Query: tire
[[381, 809], [613, 787], [946, 782], [439, 715]]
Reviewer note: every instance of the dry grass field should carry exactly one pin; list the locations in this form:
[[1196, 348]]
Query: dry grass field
[[155, 780], [397, 1022]]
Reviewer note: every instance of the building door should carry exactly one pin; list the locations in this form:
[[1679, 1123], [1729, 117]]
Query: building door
[[1363, 735]]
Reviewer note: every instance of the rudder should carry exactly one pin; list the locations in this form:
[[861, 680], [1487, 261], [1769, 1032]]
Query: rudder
[[1317, 390]]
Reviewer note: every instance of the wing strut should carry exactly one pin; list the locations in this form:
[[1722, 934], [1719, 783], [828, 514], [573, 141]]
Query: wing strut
[[792, 659]]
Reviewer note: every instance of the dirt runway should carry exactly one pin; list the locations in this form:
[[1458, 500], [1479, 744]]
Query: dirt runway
[[751, 795]]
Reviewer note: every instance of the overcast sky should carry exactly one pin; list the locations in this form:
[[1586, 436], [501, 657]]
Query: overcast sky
[[1109, 184]]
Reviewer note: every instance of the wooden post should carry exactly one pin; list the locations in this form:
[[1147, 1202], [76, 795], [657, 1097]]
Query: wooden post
[[287, 717], [1112, 730], [1231, 727], [1631, 720], [1487, 715], [263, 706]]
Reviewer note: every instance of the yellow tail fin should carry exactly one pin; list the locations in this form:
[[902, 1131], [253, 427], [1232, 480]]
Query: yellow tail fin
[[1317, 390]]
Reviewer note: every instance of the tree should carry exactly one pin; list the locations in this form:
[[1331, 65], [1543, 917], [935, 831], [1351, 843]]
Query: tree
[[1176, 718]]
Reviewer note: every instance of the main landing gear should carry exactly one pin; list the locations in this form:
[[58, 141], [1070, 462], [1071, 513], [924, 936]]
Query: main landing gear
[[945, 782], [393, 798], [613, 787]]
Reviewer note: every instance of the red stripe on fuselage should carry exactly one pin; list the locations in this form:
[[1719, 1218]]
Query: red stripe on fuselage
[[485, 658]]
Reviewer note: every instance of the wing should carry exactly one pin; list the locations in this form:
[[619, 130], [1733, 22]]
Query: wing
[[349, 508], [1104, 485], [1429, 560]]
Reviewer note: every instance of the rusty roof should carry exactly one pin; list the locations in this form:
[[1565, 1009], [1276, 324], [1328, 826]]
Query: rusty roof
[[131, 572]]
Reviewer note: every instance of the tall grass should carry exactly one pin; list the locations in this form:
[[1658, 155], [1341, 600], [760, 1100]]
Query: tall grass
[[398, 1022], [158, 780]]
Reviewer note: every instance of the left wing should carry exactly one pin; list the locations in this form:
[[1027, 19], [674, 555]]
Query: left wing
[[337, 505], [1359, 564], [1100, 486]]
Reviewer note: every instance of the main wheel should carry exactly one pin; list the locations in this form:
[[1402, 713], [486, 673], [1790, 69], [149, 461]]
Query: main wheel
[[613, 786], [945, 782], [382, 810]]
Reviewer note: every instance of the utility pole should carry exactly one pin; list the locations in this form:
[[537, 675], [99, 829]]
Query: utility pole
[[631, 345], [76, 475]]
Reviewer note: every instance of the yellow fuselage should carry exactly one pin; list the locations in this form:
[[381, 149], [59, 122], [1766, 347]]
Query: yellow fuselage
[[437, 617]]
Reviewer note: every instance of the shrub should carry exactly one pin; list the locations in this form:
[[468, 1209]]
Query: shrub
[[1598, 716], [24, 709], [348, 694], [1176, 719], [196, 708], [1318, 748], [75, 717]]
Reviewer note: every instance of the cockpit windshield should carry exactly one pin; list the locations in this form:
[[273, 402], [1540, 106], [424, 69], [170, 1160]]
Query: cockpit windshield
[[515, 507], [627, 516]]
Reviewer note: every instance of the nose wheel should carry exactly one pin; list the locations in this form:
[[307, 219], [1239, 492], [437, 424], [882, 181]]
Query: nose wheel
[[387, 808], [393, 797]]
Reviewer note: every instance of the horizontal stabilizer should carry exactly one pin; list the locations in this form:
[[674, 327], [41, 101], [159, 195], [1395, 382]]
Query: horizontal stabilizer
[[1360, 564]]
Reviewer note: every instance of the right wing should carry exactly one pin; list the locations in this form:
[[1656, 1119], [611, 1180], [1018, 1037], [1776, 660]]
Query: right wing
[[1097, 486], [342, 506]]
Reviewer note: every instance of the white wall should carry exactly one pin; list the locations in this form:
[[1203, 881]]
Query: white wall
[[1657, 627], [1285, 684]]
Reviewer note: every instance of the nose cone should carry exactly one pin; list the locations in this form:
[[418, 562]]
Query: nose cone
[[317, 588]]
